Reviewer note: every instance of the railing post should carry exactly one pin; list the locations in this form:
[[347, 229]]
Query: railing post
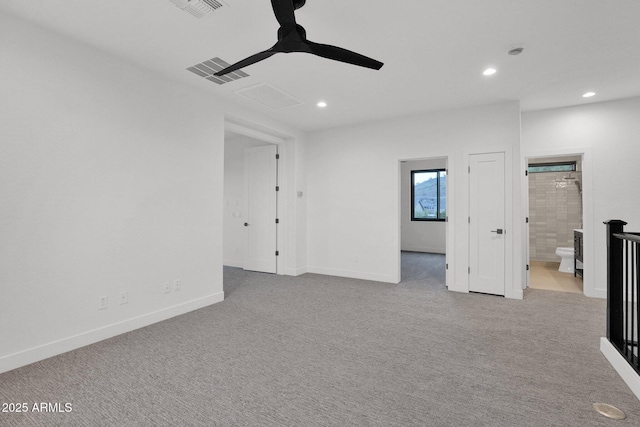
[[614, 282]]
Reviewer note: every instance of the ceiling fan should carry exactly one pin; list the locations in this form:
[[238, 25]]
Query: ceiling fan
[[293, 38]]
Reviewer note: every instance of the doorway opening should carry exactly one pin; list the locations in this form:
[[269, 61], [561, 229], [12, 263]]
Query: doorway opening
[[555, 226], [250, 205], [423, 221]]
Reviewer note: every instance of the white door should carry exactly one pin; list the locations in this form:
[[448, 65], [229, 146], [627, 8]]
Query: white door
[[260, 171], [486, 223]]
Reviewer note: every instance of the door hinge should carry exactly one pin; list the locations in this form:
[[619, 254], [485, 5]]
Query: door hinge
[[446, 266], [277, 156], [469, 219], [527, 220], [277, 253], [277, 188], [277, 221], [526, 173], [527, 267], [469, 169], [468, 270]]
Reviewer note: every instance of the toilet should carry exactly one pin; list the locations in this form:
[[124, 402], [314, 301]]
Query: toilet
[[566, 254]]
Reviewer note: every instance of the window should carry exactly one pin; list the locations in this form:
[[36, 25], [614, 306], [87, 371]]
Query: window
[[552, 167], [429, 195]]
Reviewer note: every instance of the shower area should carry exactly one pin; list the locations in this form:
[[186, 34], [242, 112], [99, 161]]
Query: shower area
[[555, 213]]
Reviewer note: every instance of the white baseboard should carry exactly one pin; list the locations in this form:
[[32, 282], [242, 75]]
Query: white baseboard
[[509, 293], [596, 293], [22, 358], [515, 294], [295, 271], [233, 263], [626, 372], [352, 274]]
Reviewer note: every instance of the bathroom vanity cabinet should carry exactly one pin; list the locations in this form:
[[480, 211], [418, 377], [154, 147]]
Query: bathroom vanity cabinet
[[578, 266]]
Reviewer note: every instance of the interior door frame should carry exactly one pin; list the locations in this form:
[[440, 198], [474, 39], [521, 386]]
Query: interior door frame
[[242, 127], [514, 269], [449, 258], [525, 208], [475, 221], [588, 282]]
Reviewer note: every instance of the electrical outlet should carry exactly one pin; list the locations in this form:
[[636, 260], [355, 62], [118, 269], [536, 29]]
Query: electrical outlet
[[167, 287], [124, 297], [177, 285], [103, 303]]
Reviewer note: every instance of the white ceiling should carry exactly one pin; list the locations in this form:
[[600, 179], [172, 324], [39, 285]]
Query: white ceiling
[[434, 50]]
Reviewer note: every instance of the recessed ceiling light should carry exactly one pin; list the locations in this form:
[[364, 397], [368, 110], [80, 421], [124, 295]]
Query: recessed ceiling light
[[588, 94], [322, 104], [490, 71]]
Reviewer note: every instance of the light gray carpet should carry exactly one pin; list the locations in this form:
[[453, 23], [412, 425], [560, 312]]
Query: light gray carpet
[[424, 267], [324, 351]]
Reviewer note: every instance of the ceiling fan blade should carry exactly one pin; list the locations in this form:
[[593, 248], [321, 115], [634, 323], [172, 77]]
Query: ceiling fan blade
[[343, 55], [247, 61], [284, 11]]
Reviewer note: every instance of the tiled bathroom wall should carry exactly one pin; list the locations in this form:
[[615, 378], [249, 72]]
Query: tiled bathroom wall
[[555, 209]]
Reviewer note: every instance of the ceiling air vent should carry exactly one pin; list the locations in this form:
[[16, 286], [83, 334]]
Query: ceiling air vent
[[269, 96], [198, 8], [207, 68]]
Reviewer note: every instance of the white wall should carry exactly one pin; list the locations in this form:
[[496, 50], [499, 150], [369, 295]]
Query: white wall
[[608, 134], [420, 236], [353, 187], [111, 180], [300, 197]]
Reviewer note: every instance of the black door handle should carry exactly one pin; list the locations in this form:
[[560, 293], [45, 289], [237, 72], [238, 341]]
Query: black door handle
[[499, 231]]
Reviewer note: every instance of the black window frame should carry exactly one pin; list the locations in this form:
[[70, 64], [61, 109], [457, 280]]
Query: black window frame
[[573, 165], [413, 205]]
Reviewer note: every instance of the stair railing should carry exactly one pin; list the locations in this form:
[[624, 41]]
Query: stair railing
[[623, 288]]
